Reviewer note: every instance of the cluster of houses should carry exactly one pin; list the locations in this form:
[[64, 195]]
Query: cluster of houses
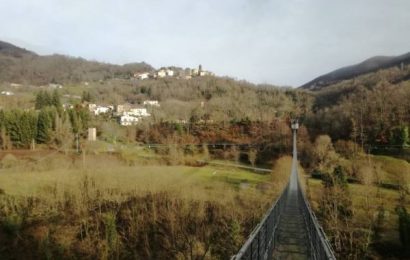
[[126, 114], [7, 93], [174, 72]]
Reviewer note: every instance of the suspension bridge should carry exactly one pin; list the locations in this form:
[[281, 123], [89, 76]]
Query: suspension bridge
[[289, 230]]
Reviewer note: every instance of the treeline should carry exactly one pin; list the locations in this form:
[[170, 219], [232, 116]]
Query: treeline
[[49, 124], [254, 142]]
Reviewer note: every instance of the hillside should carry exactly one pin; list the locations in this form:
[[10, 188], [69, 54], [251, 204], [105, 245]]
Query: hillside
[[22, 66], [12, 50], [370, 65]]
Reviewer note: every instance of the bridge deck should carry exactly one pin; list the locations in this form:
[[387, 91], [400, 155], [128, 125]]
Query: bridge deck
[[292, 239], [289, 230], [292, 236]]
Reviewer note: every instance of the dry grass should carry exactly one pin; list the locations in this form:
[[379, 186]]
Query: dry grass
[[101, 206], [366, 201]]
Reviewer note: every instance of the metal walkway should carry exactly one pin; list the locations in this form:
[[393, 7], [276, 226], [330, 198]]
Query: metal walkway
[[292, 237], [289, 230]]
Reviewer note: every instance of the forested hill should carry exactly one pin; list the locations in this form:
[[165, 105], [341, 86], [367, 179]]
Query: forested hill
[[370, 65], [372, 109], [19, 65]]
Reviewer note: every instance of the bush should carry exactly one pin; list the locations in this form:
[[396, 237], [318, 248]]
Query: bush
[[9, 161]]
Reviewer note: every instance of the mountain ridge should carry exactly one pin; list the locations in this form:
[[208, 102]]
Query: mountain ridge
[[369, 65], [19, 65], [13, 50]]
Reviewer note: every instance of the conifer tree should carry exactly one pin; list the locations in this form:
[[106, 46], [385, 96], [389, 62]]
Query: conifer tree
[[55, 99], [44, 126], [39, 100]]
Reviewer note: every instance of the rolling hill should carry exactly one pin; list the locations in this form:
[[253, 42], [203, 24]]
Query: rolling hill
[[370, 65], [23, 66], [12, 50]]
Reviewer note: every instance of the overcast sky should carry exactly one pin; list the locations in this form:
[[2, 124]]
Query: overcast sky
[[282, 42]]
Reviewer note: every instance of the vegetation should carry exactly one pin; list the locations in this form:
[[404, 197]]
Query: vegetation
[[363, 219], [101, 207], [109, 201]]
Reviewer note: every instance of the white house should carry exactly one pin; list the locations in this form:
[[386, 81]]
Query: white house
[[7, 93], [98, 110], [151, 103], [170, 73], [143, 76], [161, 74], [194, 72], [101, 110], [92, 107], [205, 73], [55, 86], [127, 120], [139, 112]]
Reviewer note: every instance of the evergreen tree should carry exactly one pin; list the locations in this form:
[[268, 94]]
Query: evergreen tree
[[56, 101], [45, 99], [75, 121], [63, 134], [27, 128], [399, 136], [86, 96], [12, 119], [44, 126], [40, 102]]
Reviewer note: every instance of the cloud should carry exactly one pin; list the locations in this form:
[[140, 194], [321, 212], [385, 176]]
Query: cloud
[[280, 42]]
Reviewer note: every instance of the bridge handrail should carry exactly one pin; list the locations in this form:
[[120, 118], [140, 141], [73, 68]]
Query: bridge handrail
[[320, 245], [260, 242]]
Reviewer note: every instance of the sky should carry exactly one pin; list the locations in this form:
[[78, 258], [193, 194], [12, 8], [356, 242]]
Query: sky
[[280, 42]]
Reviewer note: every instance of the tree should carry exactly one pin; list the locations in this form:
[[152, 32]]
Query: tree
[[336, 209], [62, 136], [252, 155], [40, 102], [28, 128], [43, 99], [205, 152], [86, 96], [404, 227], [324, 154], [20, 127], [56, 100], [75, 121], [44, 125]]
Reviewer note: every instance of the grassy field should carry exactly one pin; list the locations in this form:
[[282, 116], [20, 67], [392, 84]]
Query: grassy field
[[193, 182], [393, 170], [106, 206]]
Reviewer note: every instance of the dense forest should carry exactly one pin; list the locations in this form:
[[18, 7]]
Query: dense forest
[[371, 110]]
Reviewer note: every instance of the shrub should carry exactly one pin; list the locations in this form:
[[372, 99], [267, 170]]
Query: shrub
[[9, 161]]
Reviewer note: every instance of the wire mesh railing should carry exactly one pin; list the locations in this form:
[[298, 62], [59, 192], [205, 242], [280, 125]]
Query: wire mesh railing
[[261, 242], [320, 247]]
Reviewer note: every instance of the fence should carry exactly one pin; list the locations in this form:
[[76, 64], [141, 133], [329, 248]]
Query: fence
[[261, 242], [320, 247]]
